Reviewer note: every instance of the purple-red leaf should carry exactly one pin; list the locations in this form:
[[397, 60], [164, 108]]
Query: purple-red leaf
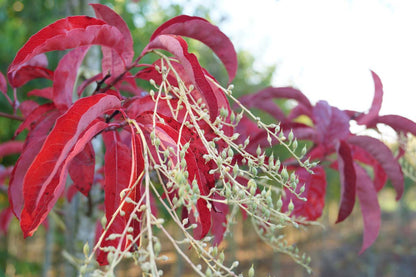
[[34, 68], [33, 144], [117, 170], [178, 47], [81, 169], [331, 123], [46, 93], [219, 213], [11, 147], [348, 180], [370, 208], [376, 105], [44, 180], [110, 62], [200, 29], [65, 77], [35, 116], [112, 18], [6, 216], [29, 72], [3, 84], [398, 123], [257, 99], [87, 82], [67, 33], [315, 188], [380, 152]]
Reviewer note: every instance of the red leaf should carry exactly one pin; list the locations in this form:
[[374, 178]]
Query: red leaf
[[109, 62], [35, 116], [28, 73], [3, 84], [150, 72], [65, 76], [384, 157], [46, 93], [348, 180], [376, 105], [44, 180], [67, 33], [315, 188], [33, 144], [28, 106], [5, 173], [197, 168], [258, 99], [87, 82], [112, 18], [380, 177], [6, 216], [81, 169], [117, 171], [398, 123], [331, 124], [219, 213], [370, 207], [178, 47], [200, 29], [10, 147], [49, 194], [34, 68]]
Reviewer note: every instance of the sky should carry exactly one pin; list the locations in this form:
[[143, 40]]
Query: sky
[[326, 48]]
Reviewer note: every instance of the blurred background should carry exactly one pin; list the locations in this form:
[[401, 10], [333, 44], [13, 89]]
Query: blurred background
[[326, 49]]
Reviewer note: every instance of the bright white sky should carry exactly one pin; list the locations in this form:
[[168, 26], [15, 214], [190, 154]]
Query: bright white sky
[[327, 47]]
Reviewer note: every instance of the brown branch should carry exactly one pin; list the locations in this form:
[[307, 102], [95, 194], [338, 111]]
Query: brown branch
[[11, 116]]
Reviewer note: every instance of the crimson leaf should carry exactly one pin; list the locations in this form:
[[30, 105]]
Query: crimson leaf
[[67, 33], [177, 46], [44, 180], [384, 157], [348, 180], [109, 62], [370, 208], [65, 77], [200, 29]]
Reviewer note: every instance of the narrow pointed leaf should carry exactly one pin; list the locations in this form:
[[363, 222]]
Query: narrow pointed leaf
[[35, 116], [331, 123], [3, 84], [11, 147], [315, 189], [33, 144], [398, 123], [81, 169], [348, 180], [110, 62], [178, 47], [43, 181], [370, 208], [27, 107], [376, 105], [257, 99], [46, 93], [50, 192], [219, 219], [380, 152], [67, 33], [200, 29], [65, 77], [29, 72]]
